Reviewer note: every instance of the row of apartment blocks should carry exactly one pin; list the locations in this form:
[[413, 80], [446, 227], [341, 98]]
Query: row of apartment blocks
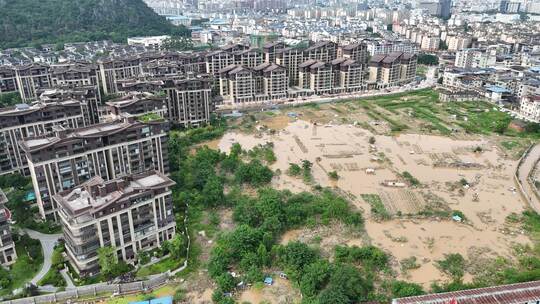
[[323, 68], [185, 102], [70, 157], [106, 185], [109, 73]]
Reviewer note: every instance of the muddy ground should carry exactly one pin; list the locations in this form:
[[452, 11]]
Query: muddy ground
[[470, 174]]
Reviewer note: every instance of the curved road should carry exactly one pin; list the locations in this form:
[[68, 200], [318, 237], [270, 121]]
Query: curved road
[[527, 166], [47, 243]]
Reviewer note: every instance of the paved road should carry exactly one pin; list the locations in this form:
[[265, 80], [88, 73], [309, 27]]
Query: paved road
[[47, 243], [67, 278], [527, 165]]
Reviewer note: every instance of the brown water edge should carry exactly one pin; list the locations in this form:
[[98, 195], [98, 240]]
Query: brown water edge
[[438, 162]]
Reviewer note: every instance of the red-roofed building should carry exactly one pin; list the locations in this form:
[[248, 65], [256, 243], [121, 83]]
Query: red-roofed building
[[520, 293]]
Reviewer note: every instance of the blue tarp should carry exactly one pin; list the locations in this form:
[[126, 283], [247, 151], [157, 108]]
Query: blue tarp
[[497, 89], [164, 300], [30, 196]]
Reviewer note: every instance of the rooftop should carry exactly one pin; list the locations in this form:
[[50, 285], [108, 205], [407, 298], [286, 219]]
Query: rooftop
[[95, 194], [507, 294]]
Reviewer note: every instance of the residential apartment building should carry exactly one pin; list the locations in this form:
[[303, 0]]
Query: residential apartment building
[[8, 80], [74, 74], [189, 101], [31, 78], [112, 70], [456, 79], [270, 51], [241, 84], [71, 157], [290, 58], [133, 213], [475, 58], [392, 69], [273, 81], [161, 68], [23, 121], [137, 104], [317, 76], [88, 96], [430, 43], [324, 51], [529, 107], [348, 75], [228, 55], [355, 51], [8, 255], [377, 47], [457, 43], [248, 58]]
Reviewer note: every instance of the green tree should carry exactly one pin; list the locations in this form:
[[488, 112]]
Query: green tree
[[226, 282], [253, 173], [176, 247], [9, 99], [315, 278], [428, 59], [350, 281], [295, 256], [294, 170], [453, 265], [212, 192], [401, 289], [333, 295], [32, 23], [107, 259]]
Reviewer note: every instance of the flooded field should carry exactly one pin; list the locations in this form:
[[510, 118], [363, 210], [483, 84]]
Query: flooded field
[[417, 181]]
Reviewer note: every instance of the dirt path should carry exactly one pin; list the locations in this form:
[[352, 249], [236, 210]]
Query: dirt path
[[527, 165]]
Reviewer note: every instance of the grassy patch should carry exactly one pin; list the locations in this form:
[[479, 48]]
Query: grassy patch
[[27, 265], [166, 290], [377, 207], [159, 267]]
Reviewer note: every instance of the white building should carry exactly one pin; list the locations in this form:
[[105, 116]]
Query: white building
[[154, 42], [530, 107]]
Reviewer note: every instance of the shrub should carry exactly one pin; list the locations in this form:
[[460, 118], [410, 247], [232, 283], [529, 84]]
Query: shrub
[[333, 175]]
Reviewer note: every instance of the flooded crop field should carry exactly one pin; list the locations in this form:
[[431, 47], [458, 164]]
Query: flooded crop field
[[471, 178]]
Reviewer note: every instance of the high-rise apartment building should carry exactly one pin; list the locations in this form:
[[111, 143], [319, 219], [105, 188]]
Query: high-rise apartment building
[[74, 74], [137, 104], [22, 121], [392, 70], [131, 214], [31, 78], [71, 157], [8, 81], [189, 101], [290, 58], [439, 8]]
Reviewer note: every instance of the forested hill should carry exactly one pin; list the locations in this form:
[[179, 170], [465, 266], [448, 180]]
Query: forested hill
[[32, 22]]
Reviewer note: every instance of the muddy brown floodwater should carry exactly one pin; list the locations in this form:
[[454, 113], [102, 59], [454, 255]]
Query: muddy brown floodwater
[[439, 163]]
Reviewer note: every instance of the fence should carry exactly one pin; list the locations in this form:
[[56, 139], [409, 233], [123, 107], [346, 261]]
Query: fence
[[95, 290]]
